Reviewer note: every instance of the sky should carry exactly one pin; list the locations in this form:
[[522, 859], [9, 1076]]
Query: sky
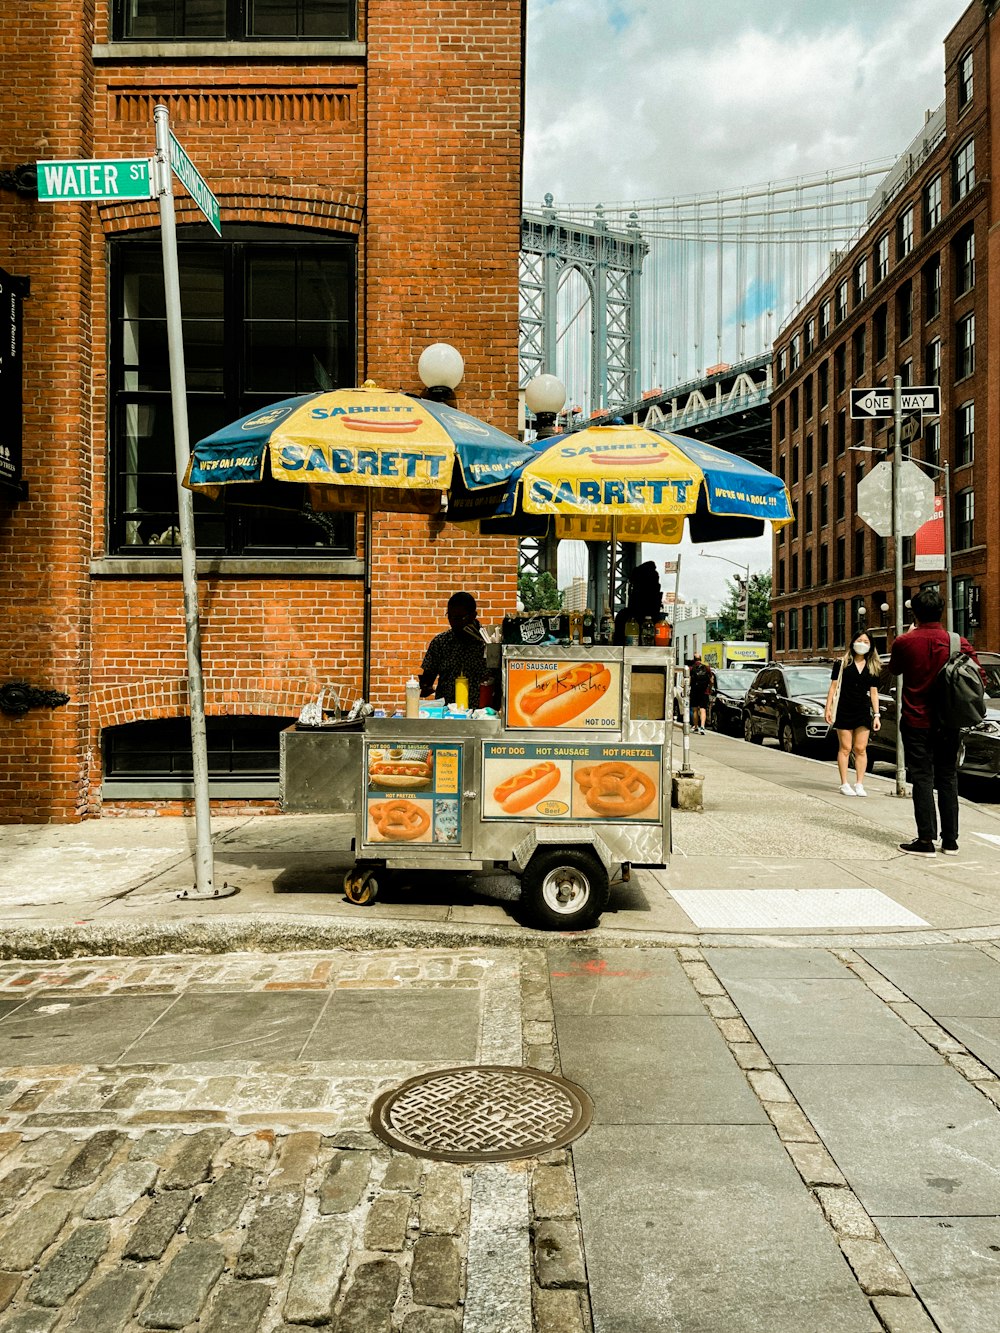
[[652, 99]]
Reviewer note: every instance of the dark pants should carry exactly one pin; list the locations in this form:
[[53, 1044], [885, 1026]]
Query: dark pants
[[932, 761]]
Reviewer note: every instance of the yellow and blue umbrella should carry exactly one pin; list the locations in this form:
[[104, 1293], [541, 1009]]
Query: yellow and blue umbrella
[[627, 483], [359, 449], [352, 445]]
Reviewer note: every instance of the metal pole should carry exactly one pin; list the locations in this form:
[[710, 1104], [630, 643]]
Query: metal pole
[[897, 559], [677, 593], [204, 867], [949, 587], [366, 631]]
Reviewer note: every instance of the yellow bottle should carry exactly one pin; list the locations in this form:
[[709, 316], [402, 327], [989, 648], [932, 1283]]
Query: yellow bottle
[[461, 691]]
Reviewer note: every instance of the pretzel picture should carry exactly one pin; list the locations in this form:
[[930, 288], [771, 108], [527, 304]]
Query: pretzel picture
[[526, 788], [615, 790], [400, 821], [555, 698]]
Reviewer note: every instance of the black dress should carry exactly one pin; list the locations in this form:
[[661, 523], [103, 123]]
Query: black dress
[[854, 705]]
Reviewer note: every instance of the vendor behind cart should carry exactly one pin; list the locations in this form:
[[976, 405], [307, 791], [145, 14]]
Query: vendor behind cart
[[459, 651]]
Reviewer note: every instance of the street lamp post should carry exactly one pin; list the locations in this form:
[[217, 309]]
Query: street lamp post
[[746, 584], [770, 640], [545, 397], [440, 368], [945, 470]]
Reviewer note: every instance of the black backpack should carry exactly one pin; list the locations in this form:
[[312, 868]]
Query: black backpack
[[959, 695], [701, 678]]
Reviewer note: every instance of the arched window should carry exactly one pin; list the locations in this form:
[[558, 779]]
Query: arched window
[[268, 313]]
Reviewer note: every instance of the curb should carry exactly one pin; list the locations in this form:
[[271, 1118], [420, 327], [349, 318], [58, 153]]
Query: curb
[[247, 934]]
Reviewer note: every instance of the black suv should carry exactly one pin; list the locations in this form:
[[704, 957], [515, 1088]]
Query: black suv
[[787, 702]]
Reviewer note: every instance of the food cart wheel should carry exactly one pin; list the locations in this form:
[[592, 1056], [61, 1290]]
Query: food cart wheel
[[565, 888], [360, 886]]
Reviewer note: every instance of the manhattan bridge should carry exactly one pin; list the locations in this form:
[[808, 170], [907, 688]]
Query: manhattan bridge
[[664, 311], [622, 299]]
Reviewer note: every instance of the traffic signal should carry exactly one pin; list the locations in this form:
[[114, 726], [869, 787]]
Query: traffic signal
[[742, 599]]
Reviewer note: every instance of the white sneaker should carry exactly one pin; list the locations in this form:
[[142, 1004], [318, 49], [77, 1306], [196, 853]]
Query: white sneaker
[[859, 790], [847, 790]]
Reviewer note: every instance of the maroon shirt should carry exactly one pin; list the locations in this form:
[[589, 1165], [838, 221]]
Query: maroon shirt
[[917, 656]]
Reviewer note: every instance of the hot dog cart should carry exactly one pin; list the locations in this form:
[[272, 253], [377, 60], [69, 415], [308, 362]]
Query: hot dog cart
[[567, 789]]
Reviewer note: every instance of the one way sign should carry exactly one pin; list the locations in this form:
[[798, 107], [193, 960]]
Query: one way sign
[[868, 403]]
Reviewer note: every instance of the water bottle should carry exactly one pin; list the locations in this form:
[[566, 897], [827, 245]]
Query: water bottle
[[413, 697]]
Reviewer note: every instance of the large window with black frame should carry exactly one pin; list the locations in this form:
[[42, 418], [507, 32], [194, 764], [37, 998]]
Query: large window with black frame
[[268, 313], [166, 20]]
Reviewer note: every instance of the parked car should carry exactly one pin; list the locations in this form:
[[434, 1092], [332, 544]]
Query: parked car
[[728, 694], [980, 756], [787, 702]]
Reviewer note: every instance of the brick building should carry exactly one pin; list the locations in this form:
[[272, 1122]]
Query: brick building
[[915, 296], [367, 157]]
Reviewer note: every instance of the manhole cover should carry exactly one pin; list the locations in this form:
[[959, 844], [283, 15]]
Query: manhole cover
[[481, 1113]]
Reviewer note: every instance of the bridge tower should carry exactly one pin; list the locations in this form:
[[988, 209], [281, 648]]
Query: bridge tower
[[570, 270]]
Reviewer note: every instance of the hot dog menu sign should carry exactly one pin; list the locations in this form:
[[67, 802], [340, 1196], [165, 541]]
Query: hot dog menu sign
[[413, 794], [563, 696], [572, 782]]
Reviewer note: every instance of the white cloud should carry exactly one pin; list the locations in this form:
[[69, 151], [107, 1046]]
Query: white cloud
[[643, 100]]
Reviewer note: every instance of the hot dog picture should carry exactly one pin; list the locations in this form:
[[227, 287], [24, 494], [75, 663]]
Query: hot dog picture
[[615, 790], [400, 821], [525, 789], [403, 774], [555, 698], [383, 427]]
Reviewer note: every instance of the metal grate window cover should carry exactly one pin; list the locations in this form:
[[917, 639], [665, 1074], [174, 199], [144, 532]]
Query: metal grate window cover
[[481, 1113]]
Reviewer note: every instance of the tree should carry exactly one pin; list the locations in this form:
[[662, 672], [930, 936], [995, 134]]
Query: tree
[[538, 592], [758, 611]]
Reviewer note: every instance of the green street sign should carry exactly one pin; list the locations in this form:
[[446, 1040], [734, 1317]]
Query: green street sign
[[70, 181], [190, 177]]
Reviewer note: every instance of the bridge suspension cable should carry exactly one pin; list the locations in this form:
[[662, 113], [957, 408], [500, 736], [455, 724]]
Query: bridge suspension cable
[[721, 273]]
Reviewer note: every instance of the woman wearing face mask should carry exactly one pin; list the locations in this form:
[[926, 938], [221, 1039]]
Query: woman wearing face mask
[[852, 708]]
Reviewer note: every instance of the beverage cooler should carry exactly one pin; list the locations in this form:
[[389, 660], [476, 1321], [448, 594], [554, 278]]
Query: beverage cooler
[[568, 789]]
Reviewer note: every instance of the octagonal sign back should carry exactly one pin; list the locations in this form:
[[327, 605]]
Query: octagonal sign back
[[916, 498]]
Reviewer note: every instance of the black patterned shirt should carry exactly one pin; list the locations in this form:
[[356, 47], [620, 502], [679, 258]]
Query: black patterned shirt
[[448, 656]]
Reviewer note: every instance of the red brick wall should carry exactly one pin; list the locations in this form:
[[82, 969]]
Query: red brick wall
[[416, 151], [443, 234], [44, 590]]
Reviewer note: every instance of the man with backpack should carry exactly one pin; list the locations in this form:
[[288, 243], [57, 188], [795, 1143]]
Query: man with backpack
[[933, 715]]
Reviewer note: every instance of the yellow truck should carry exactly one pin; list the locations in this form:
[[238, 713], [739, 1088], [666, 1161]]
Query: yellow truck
[[734, 653]]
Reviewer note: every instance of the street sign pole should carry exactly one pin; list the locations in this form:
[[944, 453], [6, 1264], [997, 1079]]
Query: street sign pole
[[897, 559], [204, 863]]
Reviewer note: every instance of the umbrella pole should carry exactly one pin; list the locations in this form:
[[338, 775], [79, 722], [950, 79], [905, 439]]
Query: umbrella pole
[[366, 647]]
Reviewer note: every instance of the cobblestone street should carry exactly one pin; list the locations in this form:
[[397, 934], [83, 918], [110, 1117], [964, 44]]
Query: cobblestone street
[[222, 1171], [185, 1143]]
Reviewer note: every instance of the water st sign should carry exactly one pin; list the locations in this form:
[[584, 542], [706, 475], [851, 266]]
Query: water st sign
[[869, 403], [190, 177], [67, 181]]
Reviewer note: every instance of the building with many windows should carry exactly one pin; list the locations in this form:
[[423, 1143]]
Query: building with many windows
[[367, 158], [913, 296]]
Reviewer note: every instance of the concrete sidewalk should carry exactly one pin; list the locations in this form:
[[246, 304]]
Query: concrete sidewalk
[[777, 850]]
